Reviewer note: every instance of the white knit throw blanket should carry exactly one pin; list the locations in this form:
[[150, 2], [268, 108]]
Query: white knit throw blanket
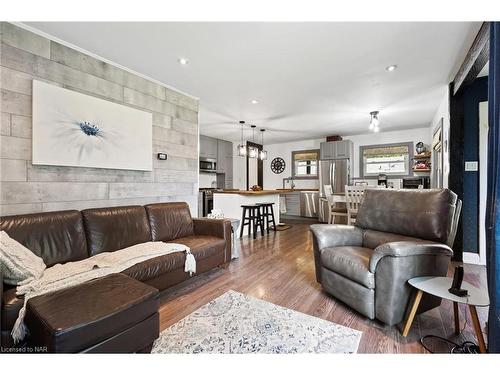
[[63, 276]]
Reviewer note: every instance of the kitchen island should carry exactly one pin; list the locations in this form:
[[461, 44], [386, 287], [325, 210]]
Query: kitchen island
[[230, 201]]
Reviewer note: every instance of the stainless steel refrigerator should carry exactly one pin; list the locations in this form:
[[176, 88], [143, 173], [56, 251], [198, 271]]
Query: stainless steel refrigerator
[[335, 173]]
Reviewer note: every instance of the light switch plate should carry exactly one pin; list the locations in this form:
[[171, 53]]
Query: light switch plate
[[471, 166]]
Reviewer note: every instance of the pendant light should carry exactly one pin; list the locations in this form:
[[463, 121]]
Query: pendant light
[[242, 148], [253, 152], [374, 121], [262, 153]]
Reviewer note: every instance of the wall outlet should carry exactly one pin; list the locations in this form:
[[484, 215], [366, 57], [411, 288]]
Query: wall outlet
[[471, 166]]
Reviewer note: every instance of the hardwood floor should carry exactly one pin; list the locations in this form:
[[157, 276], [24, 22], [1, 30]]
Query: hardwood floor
[[279, 268]]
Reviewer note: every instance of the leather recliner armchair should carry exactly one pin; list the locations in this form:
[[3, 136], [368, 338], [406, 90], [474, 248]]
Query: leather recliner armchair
[[398, 235]]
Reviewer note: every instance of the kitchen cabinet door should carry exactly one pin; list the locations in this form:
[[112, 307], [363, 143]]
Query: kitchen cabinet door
[[292, 201], [327, 150], [343, 149], [208, 147], [225, 158]]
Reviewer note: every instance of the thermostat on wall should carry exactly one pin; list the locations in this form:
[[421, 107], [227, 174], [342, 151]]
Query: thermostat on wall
[[162, 156]]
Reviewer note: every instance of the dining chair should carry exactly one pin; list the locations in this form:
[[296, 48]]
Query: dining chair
[[332, 209], [353, 199]]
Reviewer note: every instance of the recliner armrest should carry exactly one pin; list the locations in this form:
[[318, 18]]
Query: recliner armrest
[[330, 235], [215, 227], [406, 249]]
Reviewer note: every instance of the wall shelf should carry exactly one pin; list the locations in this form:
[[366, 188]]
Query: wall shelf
[[421, 170]]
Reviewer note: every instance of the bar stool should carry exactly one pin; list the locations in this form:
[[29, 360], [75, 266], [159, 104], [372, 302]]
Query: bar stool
[[252, 217], [268, 215]]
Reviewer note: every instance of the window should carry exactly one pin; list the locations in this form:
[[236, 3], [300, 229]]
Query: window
[[391, 159], [305, 164]]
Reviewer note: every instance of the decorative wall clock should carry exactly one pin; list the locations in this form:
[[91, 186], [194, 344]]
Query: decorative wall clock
[[278, 165]]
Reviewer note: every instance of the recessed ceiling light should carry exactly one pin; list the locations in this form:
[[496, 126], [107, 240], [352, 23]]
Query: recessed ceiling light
[[391, 68], [254, 101], [183, 61]]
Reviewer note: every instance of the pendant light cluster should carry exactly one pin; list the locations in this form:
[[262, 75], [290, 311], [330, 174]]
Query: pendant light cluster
[[253, 152], [374, 121]]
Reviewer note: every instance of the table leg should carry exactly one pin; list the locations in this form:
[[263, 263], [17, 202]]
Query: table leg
[[477, 328], [413, 312], [457, 318]]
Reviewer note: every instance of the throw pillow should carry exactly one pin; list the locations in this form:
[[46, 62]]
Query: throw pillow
[[19, 264]]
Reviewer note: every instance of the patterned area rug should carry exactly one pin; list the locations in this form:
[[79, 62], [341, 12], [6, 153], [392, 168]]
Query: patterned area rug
[[236, 323]]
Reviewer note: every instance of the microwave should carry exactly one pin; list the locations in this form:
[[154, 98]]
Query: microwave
[[208, 165], [416, 182]]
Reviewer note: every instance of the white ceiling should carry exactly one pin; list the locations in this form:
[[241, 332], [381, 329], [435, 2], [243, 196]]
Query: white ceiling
[[311, 79], [485, 71]]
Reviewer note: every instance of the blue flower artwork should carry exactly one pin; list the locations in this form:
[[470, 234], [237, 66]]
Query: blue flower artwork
[[78, 130], [90, 129]]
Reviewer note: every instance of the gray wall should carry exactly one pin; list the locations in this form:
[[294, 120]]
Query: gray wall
[[26, 188]]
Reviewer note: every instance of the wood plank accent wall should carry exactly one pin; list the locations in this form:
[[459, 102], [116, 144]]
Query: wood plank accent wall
[[26, 188]]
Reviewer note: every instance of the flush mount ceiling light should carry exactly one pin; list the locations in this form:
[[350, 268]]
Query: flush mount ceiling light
[[255, 101], [391, 68], [262, 153], [374, 121], [242, 148], [183, 61]]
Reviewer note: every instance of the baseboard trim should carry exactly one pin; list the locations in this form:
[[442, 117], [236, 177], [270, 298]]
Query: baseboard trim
[[472, 258]]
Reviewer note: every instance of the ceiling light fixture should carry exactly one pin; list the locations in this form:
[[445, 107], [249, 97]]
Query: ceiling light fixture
[[391, 68], [374, 121], [254, 101], [262, 153], [253, 152], [183, 61], [242, 148]]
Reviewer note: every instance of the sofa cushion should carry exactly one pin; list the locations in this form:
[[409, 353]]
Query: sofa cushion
[[76, 318], [201, 247], [115, 228], [351, 262], [169, 221], [11, 304], [56, 237], [374, 238], [425, 214]]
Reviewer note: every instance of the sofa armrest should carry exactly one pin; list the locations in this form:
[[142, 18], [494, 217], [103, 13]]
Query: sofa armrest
[[407, 249], [331, 235], [218, 228]]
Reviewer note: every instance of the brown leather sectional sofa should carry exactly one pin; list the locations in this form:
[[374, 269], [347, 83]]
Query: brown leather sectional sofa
[[64, 236]]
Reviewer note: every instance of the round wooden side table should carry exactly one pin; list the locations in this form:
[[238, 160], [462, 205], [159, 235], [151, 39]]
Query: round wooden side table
[[438, 286]]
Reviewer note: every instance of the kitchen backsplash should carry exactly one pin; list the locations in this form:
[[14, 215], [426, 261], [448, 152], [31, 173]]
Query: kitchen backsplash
[[208, 180]]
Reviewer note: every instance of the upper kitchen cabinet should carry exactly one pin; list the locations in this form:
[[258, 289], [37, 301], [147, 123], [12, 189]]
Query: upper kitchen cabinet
[[225, 158], [208, 147], [327, 150], [337, 150], [344, 149]]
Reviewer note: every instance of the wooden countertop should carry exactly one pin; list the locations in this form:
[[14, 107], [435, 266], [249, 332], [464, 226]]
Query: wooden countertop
[[262, 192]]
